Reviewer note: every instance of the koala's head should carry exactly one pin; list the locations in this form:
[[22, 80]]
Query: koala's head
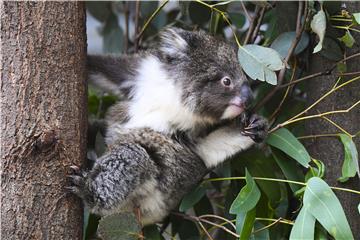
[[208, 71]]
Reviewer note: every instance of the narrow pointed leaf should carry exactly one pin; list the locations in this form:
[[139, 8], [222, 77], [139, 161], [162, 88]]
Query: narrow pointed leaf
[[356, 17], [247, 198], [304, 226], [289, 168], [351, 162], [318, 25], [244, 223], [283, 43], [323, 204], [119, 226], [192, 198], [260, 62], [348, 39], [284, 140]]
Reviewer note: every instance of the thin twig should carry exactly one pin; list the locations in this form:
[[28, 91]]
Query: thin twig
[[252, 25], [319, 135], [276, 180], [337, 126], [259, 21], [137, 12], [205, 231], [326, 72], [153, 15], [218, 217], [220, 226], [277, 110], [291, 50], [198, 220], [126, 15], [245, 11], [267, 226], [349, 73], [296, 117]]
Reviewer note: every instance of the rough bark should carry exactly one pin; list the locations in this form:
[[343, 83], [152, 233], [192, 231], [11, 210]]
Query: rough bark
[[43, 117], [330, 150]]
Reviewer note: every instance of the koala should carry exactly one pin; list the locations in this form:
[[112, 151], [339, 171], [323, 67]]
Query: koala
[[183, 113]]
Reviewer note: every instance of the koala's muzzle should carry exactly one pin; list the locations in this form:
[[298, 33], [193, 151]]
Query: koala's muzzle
[[246, 95]]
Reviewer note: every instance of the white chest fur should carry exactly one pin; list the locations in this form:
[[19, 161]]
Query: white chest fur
[[157, 100]]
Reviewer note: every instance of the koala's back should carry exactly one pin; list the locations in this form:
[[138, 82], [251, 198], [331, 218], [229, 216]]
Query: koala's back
[[171, 170]]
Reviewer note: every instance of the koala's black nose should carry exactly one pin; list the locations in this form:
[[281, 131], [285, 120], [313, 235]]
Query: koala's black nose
[[246, 94]]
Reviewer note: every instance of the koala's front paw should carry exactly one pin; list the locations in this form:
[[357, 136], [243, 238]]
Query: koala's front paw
[[256, 128], [78, 181]]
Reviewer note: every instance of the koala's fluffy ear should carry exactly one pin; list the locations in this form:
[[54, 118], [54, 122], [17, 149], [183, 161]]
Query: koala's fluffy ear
[[174, 41]]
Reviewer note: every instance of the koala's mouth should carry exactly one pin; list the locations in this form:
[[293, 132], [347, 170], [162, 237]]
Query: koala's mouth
[[232, 111]]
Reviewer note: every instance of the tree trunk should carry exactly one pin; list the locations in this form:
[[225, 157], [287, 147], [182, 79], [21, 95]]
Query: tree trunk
[[43, 117], [330, 150]]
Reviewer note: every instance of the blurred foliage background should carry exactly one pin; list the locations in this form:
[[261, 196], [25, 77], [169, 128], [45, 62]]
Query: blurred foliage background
[[277, 186]]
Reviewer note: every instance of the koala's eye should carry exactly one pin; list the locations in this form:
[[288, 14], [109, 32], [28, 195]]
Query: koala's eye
[[226, 81]]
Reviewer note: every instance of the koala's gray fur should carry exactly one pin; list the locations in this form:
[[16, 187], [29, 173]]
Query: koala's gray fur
[[178, 122]]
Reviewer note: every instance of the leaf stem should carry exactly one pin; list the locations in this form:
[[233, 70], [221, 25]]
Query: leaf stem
[[276, 180], [297, 118], [153, 15]]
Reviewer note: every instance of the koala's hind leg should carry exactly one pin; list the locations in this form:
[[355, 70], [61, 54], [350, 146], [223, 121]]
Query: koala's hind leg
[[113, 177]]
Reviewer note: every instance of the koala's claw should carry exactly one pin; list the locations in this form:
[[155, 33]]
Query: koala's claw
[[77, 179], [257, 128]]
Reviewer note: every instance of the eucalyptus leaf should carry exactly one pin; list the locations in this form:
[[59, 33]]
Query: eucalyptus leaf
[[356, 17], [192, 198], [289, 168], [237, 19], [245, 222], [199, 14], [247, 198], [347, 39], [351, 162], [318, 25], [260, 62], [284, 140], [304, 226], [283, 43], [112, 36], [260, 235], [323, 204], [152, 232], [101, 10], [119, 226]]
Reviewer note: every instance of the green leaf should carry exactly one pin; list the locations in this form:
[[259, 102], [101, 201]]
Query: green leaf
[[323, 204], [260, 62], [152, 232], [351, 162], [304, 226], [101, 10], [119, 226], [284, 140], [283, 43], [247, 198], [289, 168], [356, 17], [245, 222], [347, 39], [192, 198], [318, 25], [199, 14], [260, 235], [112, 36], [237, 19]]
